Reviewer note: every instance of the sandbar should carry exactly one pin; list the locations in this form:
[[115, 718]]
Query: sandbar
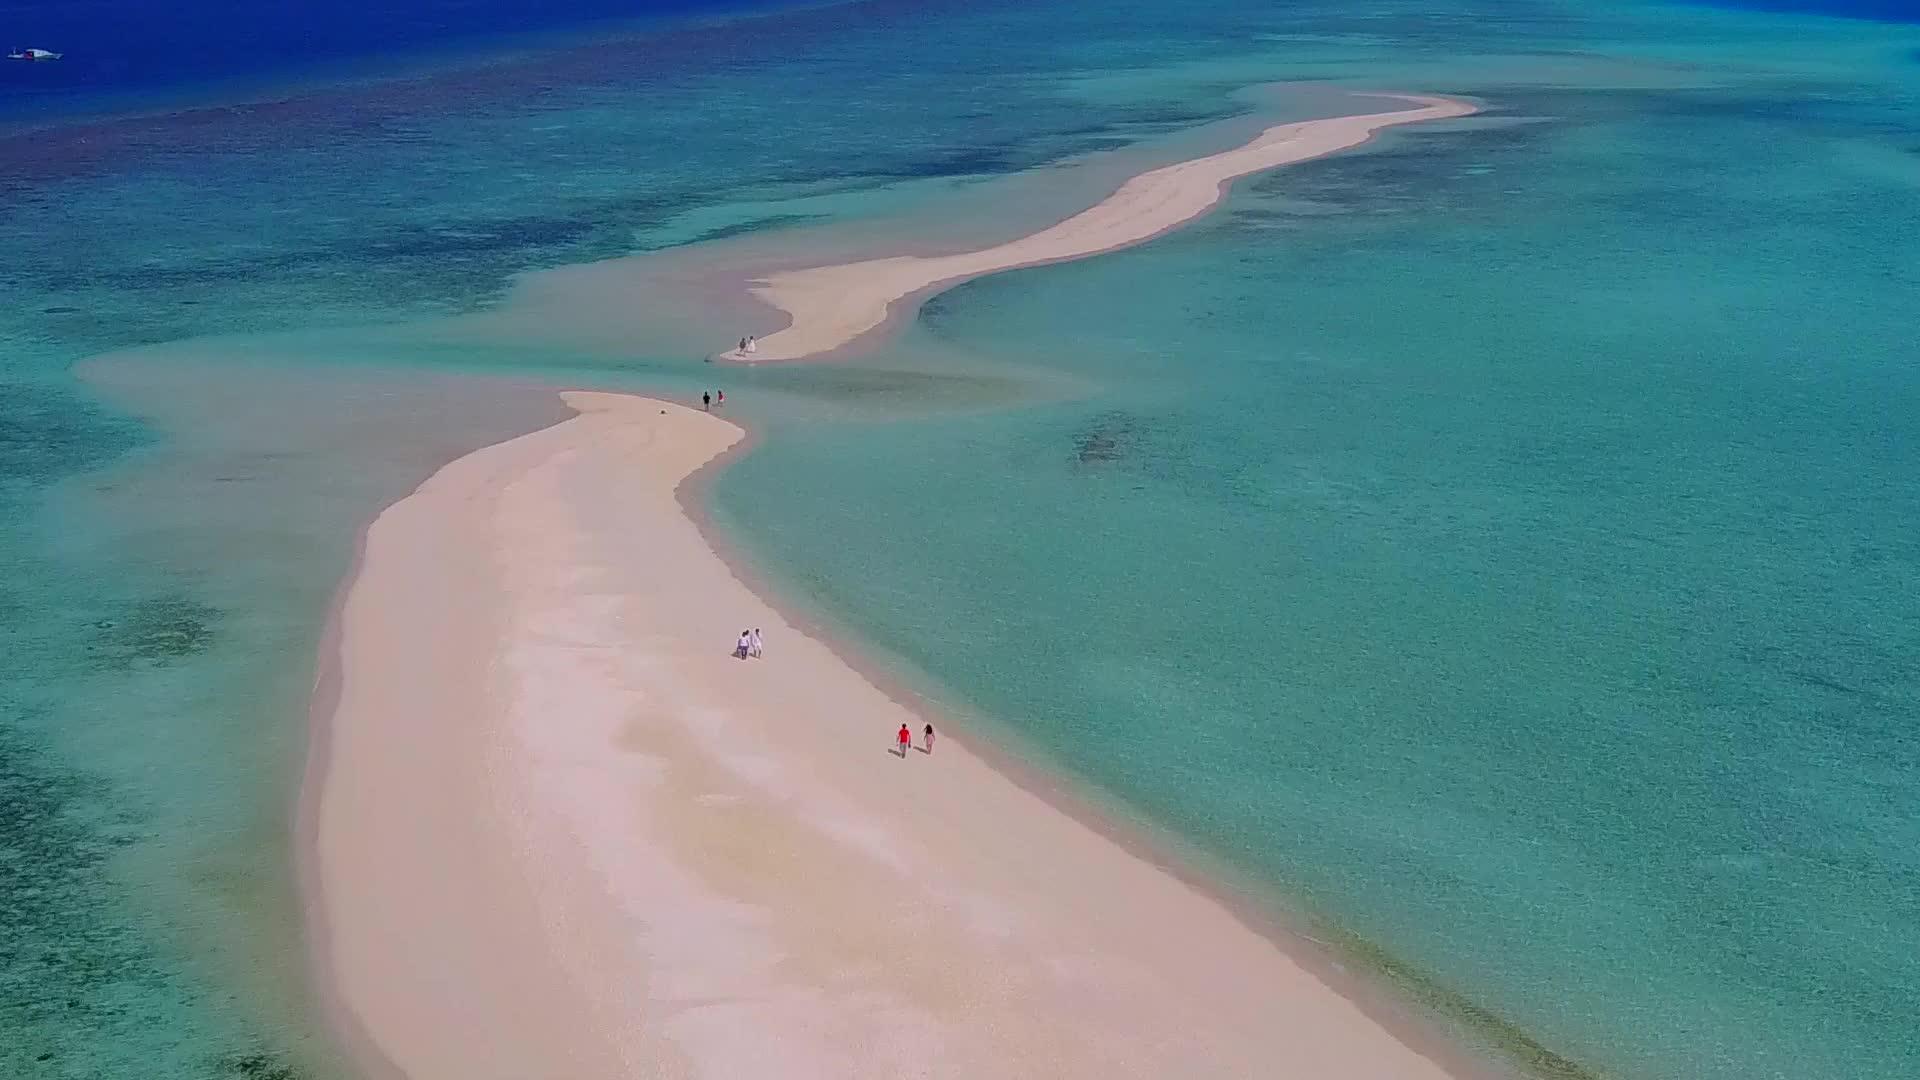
[[559, 830], [829, 307]]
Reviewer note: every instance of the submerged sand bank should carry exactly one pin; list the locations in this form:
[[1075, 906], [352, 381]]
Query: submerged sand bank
[[830, 306], [561, 831]]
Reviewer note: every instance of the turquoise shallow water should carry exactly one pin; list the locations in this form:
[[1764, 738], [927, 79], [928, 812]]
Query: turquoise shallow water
[[1496, 544], [1541, 613]]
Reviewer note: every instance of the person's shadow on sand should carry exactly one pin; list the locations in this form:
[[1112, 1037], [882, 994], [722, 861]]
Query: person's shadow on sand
[[899, 752]]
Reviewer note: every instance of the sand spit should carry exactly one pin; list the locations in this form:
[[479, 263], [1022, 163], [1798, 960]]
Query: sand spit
[[831, 306], [560, 831]]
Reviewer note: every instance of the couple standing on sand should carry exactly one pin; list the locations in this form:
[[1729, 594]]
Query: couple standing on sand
[[748, 344], [750, 644], [906, 741]]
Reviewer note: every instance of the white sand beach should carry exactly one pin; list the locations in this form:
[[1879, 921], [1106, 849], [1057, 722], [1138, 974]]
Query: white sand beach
[[831, 306], [560, 831]]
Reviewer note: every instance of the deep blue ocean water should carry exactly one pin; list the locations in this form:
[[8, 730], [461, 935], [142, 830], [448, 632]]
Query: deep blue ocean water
[[1886, 10], [1496, 545], [117, 51]]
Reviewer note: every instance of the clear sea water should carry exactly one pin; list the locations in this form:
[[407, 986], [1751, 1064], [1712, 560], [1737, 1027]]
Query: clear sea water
[[1496, 546]]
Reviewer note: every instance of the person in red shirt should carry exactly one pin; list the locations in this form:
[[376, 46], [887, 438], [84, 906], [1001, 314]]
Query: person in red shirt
[[906, 739]]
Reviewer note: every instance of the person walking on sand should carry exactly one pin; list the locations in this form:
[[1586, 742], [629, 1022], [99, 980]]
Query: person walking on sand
[[756, 645], [929, 739], [743, 345], [744, 647], [752, 344], [706, 401], [906, 739]]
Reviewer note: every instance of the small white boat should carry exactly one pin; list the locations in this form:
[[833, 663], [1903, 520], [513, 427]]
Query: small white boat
[[33, 54]]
